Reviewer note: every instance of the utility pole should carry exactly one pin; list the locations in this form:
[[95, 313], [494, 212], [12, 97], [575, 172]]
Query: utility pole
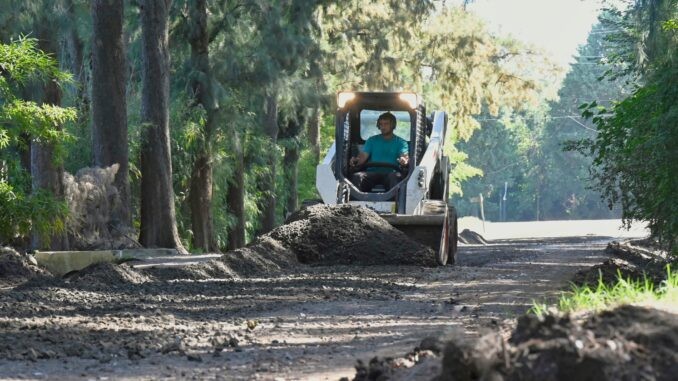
[[502, 203]]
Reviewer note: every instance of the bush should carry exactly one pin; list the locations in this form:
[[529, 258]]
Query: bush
[[636, 154], [39, 212]]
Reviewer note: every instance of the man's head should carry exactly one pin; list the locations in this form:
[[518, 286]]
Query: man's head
[[386, 123]]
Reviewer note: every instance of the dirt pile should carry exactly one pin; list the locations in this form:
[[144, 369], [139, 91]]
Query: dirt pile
[[265, 255], [104, 275], [16, 268], [470, 237], [635, 260], [419, 364], [316, 235], [633, 343], [344, 234]]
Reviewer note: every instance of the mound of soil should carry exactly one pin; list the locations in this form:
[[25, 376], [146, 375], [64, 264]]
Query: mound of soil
[[609, 272], [470, 237], [418, 364], [345, 234], [632, 343], [264, 256], [315, 235], [104, 275], [16, 268], [631, 261]]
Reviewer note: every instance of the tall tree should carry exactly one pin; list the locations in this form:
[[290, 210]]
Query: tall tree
[[567, 193], [271, 130], [200, 194], [109, 104], [158, 217], [46, 170], [313, 134], [289, 139], [634, 153], [76, 50], [235, 202]]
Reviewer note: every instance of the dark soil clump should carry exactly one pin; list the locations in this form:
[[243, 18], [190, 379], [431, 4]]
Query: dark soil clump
[[104, 275], [631, 343], [344, 234], [264, 256], [470, 237], [630, 261], [608, 273], [16, 268], [415, 365]]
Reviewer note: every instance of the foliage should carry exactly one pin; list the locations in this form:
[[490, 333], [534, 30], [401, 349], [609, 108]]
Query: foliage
[[624, 291], [20, 64], [567, 191], [634, 153], [525, 149], [305, 50], [39, 213], [444, 53]]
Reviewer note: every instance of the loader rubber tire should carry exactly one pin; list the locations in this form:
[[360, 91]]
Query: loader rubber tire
[[443, 254], [454, 236], [433, 207]]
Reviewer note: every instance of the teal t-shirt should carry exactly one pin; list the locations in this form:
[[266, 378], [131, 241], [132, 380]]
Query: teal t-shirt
[[385, 151]]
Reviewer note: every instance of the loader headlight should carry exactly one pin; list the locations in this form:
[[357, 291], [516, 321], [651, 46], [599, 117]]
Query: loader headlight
[[344, 97], [411, 98], [421, 178]]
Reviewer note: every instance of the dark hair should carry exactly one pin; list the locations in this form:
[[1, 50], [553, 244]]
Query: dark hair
[[389, 116]]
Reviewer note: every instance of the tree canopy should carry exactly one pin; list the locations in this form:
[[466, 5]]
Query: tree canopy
[[242, 96]]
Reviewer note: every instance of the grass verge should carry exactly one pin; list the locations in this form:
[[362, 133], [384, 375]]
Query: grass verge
[[624, 291]]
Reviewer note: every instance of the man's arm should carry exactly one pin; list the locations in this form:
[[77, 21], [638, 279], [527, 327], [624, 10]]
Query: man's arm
[[404, 157], [363, 156], [359, 160]]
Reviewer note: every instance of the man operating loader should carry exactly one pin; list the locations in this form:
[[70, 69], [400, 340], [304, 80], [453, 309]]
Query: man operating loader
[[385, 148]]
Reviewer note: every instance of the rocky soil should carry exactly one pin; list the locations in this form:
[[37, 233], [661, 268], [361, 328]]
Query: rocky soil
[[16, 268], [258, 313]]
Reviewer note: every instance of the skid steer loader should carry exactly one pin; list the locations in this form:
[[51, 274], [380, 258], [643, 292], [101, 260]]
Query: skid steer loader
[[418, 205]]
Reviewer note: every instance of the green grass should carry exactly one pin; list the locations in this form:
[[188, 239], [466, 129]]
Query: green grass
[[624, 291]]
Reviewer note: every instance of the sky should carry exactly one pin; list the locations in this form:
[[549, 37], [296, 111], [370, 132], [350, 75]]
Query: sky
[[556, 26]]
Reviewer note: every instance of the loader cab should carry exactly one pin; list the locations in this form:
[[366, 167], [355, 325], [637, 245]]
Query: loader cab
[[356, 120]]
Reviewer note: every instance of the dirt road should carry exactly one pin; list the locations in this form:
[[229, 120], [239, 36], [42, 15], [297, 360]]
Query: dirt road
[[311, 324]]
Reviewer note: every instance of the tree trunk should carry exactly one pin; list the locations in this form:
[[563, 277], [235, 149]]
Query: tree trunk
[[200, 202], [158, 218], [75, 48], [290, 133], [236, 194], [291, 162], [314, 135], [25, 152], [109, 105], [200, 194], [46, 173], [268, 183]]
